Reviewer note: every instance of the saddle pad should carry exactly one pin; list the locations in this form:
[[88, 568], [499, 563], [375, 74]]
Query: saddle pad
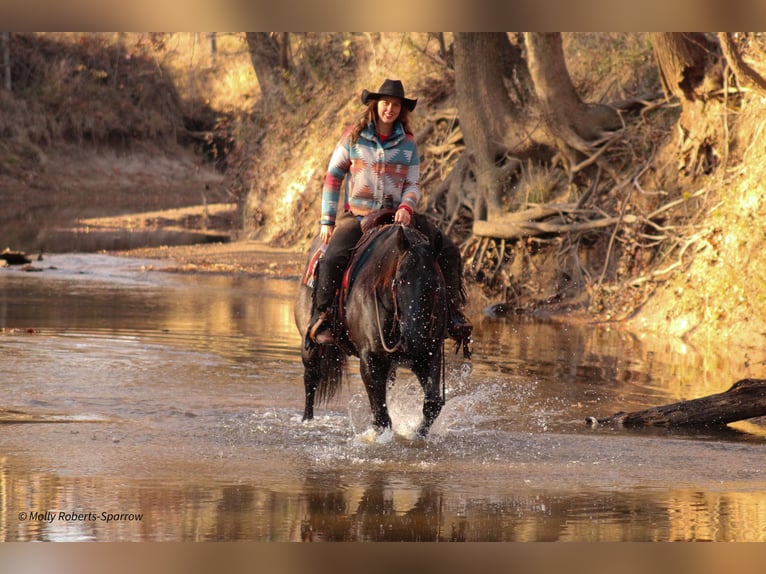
[[308, 276], [361, 254]]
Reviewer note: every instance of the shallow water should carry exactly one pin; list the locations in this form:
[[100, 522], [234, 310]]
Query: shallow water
[[140, 405]]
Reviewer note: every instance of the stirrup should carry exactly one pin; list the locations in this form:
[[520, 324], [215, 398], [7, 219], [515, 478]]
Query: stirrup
[[324, 337], [317, 329], [459, 327]]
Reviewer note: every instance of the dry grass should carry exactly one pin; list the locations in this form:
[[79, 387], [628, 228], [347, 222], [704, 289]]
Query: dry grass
[[720, 295], [84, 91], [610, 66], [222, 79]]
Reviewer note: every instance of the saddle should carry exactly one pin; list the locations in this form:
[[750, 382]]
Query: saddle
[[369, 223], [372, 227]]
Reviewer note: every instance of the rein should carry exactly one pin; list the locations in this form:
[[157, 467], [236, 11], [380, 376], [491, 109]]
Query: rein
[[398, 344], [444, 376]]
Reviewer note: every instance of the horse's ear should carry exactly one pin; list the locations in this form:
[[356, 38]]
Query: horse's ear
[[402, 239]]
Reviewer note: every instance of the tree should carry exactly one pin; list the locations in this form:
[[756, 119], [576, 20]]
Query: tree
[[269, 54], [213, 48], [683, 59], [497, 131], [573, 124], [537, 153], [540, 116], [689, 65]]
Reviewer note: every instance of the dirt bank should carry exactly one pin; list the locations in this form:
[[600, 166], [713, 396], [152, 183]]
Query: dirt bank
[[249, 257], [74, 194]]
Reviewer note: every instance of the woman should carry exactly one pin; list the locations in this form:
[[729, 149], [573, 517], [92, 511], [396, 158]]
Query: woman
[[380, 156]]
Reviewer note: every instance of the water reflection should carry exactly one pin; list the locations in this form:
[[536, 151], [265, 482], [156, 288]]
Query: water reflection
[[183, 394], [220, 313], [378, 508]]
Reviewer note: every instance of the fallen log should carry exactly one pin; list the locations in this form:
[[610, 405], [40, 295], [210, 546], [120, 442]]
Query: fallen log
[[547, 218], [516, 229], [14, 257], [745, 399]]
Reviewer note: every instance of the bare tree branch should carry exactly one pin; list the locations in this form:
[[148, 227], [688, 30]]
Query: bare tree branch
[[744, 73]]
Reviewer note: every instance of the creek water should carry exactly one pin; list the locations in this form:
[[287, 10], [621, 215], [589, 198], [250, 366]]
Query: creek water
[[139, 405]]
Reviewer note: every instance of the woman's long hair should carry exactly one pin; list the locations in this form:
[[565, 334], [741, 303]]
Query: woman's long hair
[[370, 114]]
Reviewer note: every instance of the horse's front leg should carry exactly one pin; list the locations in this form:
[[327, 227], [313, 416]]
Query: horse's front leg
[[311, 374], [375, 371], [429, 375]]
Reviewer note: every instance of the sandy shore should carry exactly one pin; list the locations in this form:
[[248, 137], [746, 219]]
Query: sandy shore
[[248, 257]]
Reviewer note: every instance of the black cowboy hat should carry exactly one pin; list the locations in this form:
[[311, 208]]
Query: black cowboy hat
[[393, 88]]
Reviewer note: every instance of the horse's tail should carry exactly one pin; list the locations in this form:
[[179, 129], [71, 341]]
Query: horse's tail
[[331, 372]]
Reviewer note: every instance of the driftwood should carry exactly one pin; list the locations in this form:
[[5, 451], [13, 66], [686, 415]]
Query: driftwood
[[745, 399], [529, 222]]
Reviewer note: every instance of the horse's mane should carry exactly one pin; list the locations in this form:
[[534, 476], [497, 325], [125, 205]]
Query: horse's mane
[[373, 253]]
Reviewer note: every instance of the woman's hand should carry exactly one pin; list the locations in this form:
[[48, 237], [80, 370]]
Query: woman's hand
[[325, 233], [402, 216]]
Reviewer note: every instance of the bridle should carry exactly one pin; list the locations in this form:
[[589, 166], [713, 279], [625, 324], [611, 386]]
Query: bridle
[[398, 345], [397, 322], [397, 318]]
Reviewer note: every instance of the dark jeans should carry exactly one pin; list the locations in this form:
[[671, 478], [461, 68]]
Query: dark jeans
[[348, 231]]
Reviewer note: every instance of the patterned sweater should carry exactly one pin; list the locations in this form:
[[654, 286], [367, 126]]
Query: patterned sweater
[[375, 169]]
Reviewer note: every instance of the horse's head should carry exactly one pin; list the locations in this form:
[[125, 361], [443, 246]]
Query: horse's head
[[419, 289]]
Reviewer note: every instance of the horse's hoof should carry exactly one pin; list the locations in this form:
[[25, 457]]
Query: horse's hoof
[[375, 435]]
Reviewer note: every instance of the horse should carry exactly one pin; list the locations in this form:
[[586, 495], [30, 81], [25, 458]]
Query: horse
[[392, 311]]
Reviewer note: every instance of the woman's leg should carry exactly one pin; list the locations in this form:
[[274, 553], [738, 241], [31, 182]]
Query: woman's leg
[[451, 263], [329, 273]]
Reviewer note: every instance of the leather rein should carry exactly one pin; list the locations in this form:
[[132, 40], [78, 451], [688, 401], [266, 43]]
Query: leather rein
[[397, 318]]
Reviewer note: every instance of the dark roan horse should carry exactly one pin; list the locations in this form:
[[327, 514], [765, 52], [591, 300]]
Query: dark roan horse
[[392, 312]]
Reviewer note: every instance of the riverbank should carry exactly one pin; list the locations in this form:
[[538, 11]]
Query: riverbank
[[248, 257], [257, 259]]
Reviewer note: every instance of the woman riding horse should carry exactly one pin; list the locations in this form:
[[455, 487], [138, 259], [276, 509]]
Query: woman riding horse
[[380, 155]]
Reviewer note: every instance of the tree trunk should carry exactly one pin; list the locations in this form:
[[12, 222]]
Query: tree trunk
[[746, 399], [742, 71], [443, 53], [284, 51], [213, 48], [682, 58], [490, 124], [688, 70], [7, 60], [568, 118], [266, 56]]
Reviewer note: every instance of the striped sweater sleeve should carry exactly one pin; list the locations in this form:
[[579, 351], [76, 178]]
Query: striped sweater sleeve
[[411, 187], [340, 163]]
